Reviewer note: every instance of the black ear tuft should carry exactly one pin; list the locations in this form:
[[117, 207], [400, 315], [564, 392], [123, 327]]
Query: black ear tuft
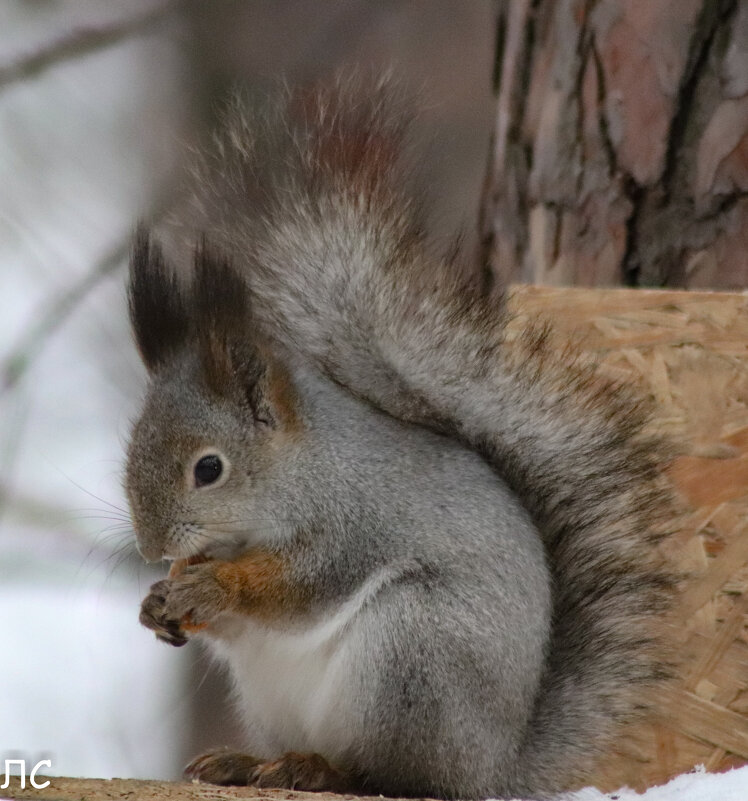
[[158, 310], [229, 359], [221, 300]]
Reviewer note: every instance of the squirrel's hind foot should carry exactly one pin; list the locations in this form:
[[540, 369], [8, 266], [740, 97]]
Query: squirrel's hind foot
[[291, 772]]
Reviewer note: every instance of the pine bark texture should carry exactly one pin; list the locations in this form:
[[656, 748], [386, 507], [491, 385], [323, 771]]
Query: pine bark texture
[[620, 148]]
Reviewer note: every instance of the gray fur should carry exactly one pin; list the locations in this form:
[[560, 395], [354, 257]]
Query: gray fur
[[445, 659], [489, 693]]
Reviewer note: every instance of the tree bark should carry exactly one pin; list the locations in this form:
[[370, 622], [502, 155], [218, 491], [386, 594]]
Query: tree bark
[[620, 147]]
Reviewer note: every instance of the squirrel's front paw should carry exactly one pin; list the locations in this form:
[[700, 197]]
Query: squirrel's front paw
[[194, 597], [153, 615], [184, 604]]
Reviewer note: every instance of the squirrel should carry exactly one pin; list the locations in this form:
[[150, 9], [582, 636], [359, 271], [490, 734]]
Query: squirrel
[[426, 550]]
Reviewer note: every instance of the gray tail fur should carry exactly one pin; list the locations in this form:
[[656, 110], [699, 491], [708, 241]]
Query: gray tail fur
[[313, 202]]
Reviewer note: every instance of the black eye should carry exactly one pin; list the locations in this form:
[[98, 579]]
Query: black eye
[[207, 470]]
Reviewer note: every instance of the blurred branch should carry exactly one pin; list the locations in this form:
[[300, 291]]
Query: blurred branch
[[10, 441], [35, 511], [20, 358], [79, 42], [18, 361]]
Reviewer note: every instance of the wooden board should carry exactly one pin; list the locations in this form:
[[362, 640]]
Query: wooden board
[[690, 352], [70, 789]]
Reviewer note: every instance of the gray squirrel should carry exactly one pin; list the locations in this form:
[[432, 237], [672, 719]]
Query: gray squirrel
[[425, 550]]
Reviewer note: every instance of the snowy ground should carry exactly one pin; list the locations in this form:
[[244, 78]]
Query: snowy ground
[[695, 786]]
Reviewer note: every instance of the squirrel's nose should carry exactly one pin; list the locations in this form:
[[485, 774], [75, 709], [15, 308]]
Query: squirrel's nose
[[150, 552]]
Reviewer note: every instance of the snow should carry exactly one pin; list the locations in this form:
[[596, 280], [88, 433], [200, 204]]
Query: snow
[[695, 786]]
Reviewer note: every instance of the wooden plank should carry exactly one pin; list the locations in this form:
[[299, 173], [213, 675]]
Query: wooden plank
[[689, 353], [708, 722], [70, 789]]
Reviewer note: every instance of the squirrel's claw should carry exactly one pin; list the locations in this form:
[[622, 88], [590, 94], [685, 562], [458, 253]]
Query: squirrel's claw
[[176, 639], [291, 771], [223, 766]]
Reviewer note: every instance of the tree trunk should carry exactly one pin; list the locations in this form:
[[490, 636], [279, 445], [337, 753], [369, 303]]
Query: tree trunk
[[620, 148]]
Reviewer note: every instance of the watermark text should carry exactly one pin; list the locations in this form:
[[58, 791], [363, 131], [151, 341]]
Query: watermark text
[[21, 764]]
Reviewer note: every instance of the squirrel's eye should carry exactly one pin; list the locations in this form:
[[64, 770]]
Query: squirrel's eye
[[207, 470]]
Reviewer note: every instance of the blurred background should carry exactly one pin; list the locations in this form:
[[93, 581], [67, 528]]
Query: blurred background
[[99, 103]]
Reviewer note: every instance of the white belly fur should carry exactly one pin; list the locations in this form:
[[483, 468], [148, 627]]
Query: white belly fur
[[293, 687]]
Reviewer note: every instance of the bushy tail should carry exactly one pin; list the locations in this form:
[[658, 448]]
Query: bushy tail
[[340, 272]]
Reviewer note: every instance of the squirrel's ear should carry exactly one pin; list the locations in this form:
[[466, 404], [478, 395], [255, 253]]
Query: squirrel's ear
[[233, 364], [230, 361], [158, 309]]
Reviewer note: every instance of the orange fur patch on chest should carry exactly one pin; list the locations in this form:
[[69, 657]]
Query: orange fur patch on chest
[[261, 583]]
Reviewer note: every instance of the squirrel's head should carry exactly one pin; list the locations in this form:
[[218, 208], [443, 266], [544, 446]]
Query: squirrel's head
[[206, 455]]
